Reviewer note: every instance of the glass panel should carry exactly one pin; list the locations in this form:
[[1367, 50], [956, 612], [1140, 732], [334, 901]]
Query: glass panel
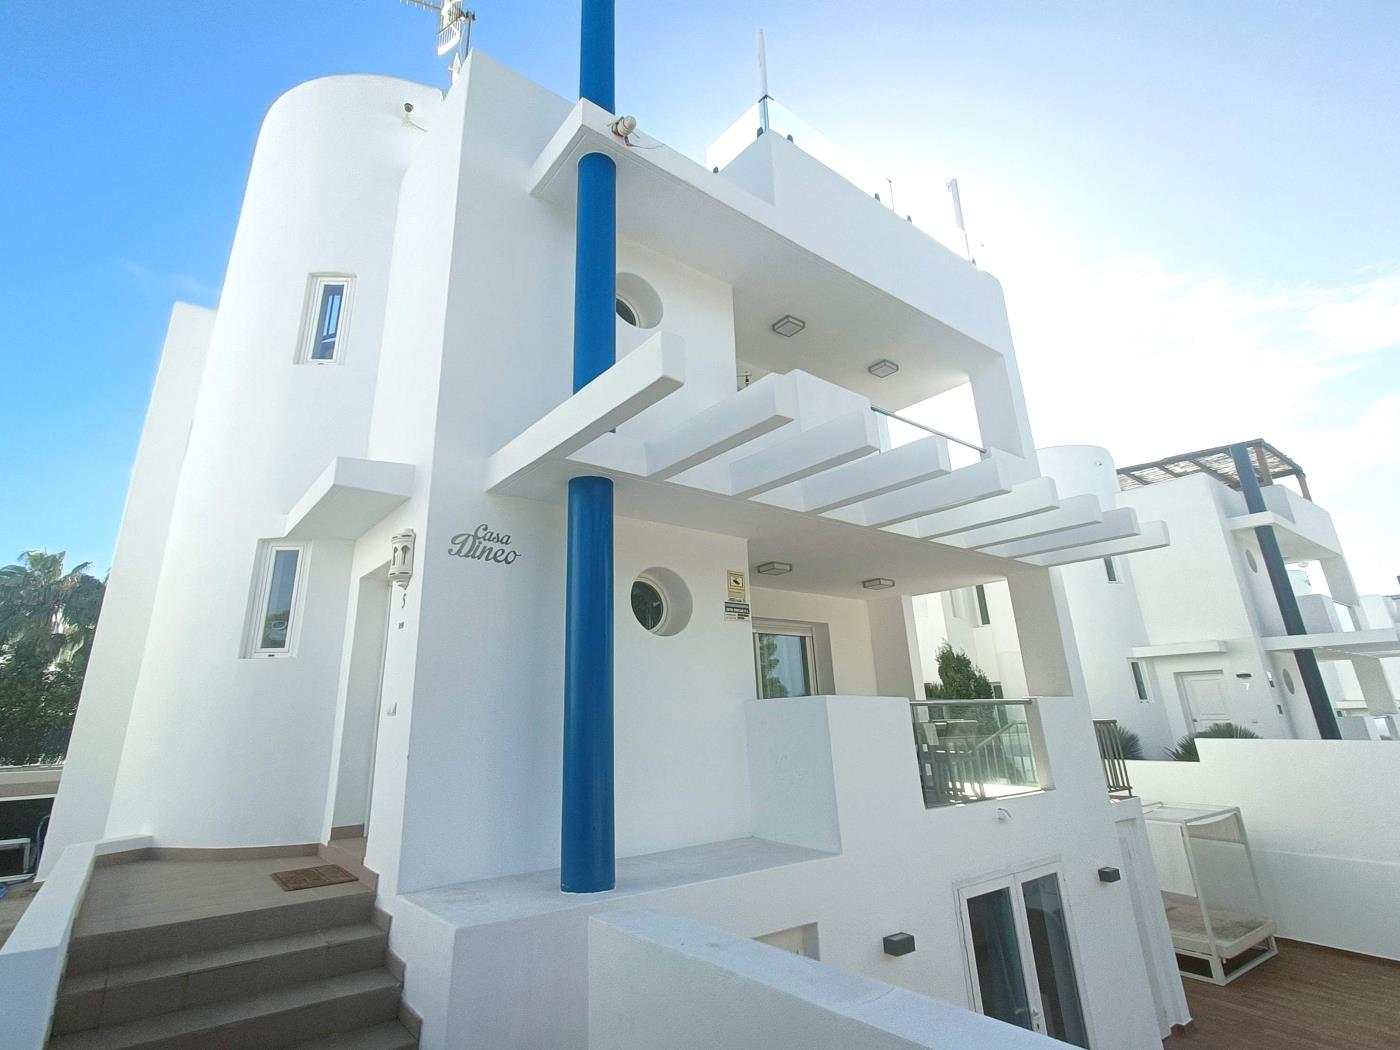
[[996, 951], [647, 605], [281, 587], [1054, 965], [328, 322], [782, 665], [971, 752]]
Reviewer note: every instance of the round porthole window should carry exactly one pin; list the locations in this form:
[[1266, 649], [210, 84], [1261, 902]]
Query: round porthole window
[[1288, 682], [661, 601], [1249, 557], [648, 605], [637, 301]]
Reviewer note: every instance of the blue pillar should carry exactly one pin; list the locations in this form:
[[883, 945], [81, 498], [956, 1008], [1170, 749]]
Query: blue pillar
[[587, 854], [1308, 670]]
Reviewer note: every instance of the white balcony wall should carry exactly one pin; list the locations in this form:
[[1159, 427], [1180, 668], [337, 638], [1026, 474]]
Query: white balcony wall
[[99, 730], [1318, 813], [817, 764]]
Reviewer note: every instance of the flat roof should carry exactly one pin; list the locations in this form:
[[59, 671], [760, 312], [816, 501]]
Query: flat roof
[[1269, 463]]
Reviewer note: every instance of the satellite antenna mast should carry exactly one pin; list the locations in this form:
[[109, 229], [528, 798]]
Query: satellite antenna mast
[[763, 95], [454, 29]]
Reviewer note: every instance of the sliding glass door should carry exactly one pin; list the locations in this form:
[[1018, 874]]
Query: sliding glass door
[[1018, 944]]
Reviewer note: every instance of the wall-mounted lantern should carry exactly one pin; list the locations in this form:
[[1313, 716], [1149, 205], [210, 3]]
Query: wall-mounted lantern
[[898, 944], [401, 558], [1109, 875]]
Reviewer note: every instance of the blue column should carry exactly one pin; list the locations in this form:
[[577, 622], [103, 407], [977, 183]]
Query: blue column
[[1308, 670], [587, 854]]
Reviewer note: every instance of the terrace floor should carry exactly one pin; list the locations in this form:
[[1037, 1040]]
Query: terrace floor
[[1307, 998]]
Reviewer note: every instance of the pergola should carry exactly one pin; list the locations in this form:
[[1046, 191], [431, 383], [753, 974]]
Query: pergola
[[1269, 464]]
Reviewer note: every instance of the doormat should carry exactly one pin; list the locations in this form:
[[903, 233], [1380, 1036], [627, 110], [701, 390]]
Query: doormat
[[309, 878]]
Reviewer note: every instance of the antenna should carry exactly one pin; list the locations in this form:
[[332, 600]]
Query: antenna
[[763, 95], [454, 28]]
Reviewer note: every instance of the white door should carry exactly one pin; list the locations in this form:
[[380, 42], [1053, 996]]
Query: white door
[[1019, 949], [1206, 703]]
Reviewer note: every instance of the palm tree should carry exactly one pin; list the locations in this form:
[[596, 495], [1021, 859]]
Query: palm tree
[[49, 610]]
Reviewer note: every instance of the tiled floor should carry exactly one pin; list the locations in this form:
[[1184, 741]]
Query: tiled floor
[[1308, 998], [145, 893]]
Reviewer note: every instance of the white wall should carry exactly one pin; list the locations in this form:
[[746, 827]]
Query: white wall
[[222, 749], [650, 973], [1320, 815], [681, 748], [99, 730]]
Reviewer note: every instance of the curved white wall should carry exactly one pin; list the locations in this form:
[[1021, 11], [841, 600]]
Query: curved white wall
[[224, 750]]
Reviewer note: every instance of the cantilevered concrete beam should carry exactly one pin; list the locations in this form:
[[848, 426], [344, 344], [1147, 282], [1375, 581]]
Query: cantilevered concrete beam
[[752, 412], [875, 475], [1030, 497], [1070, 514], [1151, 535], [1117, 524], [994, 476], [638, 381], [806, 452]]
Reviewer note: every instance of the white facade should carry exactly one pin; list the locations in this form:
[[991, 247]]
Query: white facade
[[1199, 617], [246, 704]]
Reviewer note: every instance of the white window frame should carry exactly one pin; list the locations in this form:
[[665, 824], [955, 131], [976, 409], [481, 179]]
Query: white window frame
[[984, 605], [262, 586], [807, 632], [1140, 687], [1013, 879], [311, 313], [655, 585]]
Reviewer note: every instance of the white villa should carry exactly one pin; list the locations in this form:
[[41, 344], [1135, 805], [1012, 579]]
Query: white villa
[[336, 625], [1176, 639]]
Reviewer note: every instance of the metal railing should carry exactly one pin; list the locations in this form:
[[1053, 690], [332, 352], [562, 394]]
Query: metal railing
[[1115, 763], [931, 430], [973, 750]]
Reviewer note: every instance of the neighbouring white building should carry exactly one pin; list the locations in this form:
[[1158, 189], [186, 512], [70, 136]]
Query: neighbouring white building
[[1175, 639], [336, 610]]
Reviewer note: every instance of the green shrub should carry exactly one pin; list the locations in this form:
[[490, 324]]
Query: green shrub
[[1185, 750]]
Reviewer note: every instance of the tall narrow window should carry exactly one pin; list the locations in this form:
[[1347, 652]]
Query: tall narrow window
[[984, 617], [276, 602], [1139, 683], [1111, 570], [327, 318]]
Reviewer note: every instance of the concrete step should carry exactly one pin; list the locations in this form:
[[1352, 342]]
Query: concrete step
[[267, 1020], [138, 990], [392, 1036], [213, 927]]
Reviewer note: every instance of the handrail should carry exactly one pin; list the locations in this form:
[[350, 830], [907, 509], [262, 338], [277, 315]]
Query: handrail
[[922, 426]]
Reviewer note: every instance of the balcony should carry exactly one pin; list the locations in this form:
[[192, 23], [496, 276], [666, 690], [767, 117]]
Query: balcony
[[974, 750]]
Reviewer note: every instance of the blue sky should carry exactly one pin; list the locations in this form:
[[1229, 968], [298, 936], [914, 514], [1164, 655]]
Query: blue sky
[[1192, 206]]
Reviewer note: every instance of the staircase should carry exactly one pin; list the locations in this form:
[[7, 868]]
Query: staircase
[[214, 956]]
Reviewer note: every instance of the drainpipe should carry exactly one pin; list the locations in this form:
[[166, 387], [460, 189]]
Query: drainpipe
[[1287, 600], [587, 854]]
